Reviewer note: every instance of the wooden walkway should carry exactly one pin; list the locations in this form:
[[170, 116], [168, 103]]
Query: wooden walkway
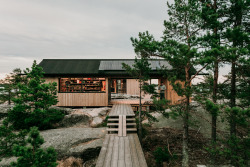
[[122, 148], [121, 109]]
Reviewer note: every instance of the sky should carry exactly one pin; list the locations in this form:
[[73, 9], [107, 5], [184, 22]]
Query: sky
[[74, 29]]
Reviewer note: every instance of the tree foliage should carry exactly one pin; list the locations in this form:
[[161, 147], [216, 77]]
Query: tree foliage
[[32, 155], [140, 71], [9, 84], [205, 35], [33, 101]]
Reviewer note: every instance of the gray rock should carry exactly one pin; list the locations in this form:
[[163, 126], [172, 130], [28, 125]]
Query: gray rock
[[79, 120], [82, 143], [96, 121], [200, 121], [6, 161], [64, 110], [98, 112], [4, 110]]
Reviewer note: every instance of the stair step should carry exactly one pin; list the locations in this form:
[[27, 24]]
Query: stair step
[[113, 119], [130, 124], [130, 119], [112, 124], [112, 129]]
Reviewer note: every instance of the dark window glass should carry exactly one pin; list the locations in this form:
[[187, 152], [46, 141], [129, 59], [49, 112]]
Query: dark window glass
[[82, 85]]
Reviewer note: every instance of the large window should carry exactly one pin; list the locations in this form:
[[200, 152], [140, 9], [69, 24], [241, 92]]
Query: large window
[[82, 85], [118, 86]]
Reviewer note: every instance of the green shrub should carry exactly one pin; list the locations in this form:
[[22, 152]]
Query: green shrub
[[33, 102], [43, 119], [8, 139], [32, 155], [162, 155]]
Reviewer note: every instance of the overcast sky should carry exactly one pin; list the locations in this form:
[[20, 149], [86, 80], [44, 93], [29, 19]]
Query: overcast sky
[[73, 29]]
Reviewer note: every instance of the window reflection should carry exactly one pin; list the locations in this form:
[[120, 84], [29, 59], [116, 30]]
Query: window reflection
[[82, 85]]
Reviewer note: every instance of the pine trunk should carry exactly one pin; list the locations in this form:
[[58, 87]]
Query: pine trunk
[[140, 126], [233, 99], [215, 83], [215, 88], [185, 158], [237, 23]]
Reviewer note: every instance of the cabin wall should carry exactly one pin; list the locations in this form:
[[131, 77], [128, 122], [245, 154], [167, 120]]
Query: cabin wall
[[133, 87], [170, 94], [80, 99]]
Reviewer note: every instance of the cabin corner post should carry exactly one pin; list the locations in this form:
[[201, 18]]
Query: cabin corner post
[[108, 89]]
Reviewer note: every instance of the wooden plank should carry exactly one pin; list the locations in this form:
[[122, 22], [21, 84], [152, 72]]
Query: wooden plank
[[139, 151], [124, 126], [103, 152], [131, 129], [108, 157], [113, 119], [82, 99], [112, 124], [131, 124], [134, 155], [114, 161], [112, 110], [112, 129], [120, 126], [130, 119], [128, 160], [121, 159], [121, 163], [122, 110]]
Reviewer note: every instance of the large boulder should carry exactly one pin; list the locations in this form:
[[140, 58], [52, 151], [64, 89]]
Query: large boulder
[[200, 120], [80, 143], [97, 112], [71, 161], [84, 143], [75, 120], [96, 122]]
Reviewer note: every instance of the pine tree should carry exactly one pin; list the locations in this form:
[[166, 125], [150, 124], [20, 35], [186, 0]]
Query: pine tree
[[140, 71], [212, 14], [32, 155], [179, 47], [10, 85], [238, 36], [33, 102], [9, 138]]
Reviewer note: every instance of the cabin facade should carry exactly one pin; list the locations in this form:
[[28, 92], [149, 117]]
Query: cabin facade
[[90, 82]]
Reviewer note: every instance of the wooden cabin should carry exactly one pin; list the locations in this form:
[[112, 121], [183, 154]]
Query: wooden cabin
[[90, 82]]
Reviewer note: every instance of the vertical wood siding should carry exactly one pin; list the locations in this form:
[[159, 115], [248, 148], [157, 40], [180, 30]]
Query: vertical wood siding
[[170, 94], [133, 87], [80, 99]]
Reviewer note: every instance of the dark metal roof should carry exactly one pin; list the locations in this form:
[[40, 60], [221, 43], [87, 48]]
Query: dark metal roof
[[93, 66], [70, 66], [117, 64]]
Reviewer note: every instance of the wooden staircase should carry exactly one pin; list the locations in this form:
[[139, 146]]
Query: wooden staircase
[[121, 124]]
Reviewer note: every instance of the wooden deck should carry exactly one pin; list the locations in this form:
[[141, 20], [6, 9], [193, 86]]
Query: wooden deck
[[121, 109], [122, 149], [131, 101]]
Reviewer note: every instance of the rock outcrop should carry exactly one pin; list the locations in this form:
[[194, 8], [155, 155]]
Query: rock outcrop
[[75, 120], [200, 121], [4, 110], [89, 117], [84, 143]]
